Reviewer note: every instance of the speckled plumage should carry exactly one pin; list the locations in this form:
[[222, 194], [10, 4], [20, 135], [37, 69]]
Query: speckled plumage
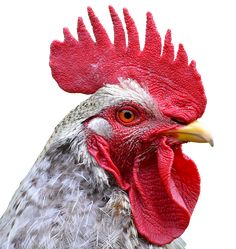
[[67, 201]]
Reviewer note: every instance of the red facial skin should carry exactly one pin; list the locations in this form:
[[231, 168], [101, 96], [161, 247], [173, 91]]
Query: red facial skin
[[163, 184]]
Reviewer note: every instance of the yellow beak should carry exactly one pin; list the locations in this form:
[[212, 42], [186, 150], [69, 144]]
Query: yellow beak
[[193, 132]]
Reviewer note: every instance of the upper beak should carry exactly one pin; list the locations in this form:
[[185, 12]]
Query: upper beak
[[193, 132]]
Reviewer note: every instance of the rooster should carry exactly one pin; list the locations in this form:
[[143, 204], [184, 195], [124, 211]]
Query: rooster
[[113, 174]]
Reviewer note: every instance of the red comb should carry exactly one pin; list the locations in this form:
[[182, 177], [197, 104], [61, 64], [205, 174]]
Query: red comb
[[84, 66]]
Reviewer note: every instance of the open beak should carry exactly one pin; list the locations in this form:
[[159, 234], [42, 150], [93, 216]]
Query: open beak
[[193, 132]]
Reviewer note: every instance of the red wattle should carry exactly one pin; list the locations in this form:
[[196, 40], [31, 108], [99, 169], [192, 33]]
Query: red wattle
[[163, 193], [163, 189]]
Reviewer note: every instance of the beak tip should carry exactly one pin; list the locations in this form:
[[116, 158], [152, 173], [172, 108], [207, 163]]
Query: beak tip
[[211, 142]]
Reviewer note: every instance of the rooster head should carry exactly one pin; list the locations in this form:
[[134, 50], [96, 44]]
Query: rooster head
[[147, 103]]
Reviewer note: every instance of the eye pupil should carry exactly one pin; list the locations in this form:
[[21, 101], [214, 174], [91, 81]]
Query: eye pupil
[[128, 114]]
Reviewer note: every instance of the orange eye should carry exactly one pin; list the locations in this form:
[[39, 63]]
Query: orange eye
[[126, 116]]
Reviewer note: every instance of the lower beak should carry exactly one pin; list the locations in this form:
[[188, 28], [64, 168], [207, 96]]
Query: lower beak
[[193, 132]]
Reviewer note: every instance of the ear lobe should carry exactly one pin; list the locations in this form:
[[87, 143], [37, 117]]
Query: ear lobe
[[98, 147], [101, 127]]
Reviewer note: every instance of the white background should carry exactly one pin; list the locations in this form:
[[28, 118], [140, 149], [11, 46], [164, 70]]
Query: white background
[[31, 103]]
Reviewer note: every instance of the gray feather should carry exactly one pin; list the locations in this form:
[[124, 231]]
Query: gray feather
[[67, 201]]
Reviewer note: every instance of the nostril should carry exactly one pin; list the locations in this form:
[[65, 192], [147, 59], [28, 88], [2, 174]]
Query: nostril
[[179, 121]]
